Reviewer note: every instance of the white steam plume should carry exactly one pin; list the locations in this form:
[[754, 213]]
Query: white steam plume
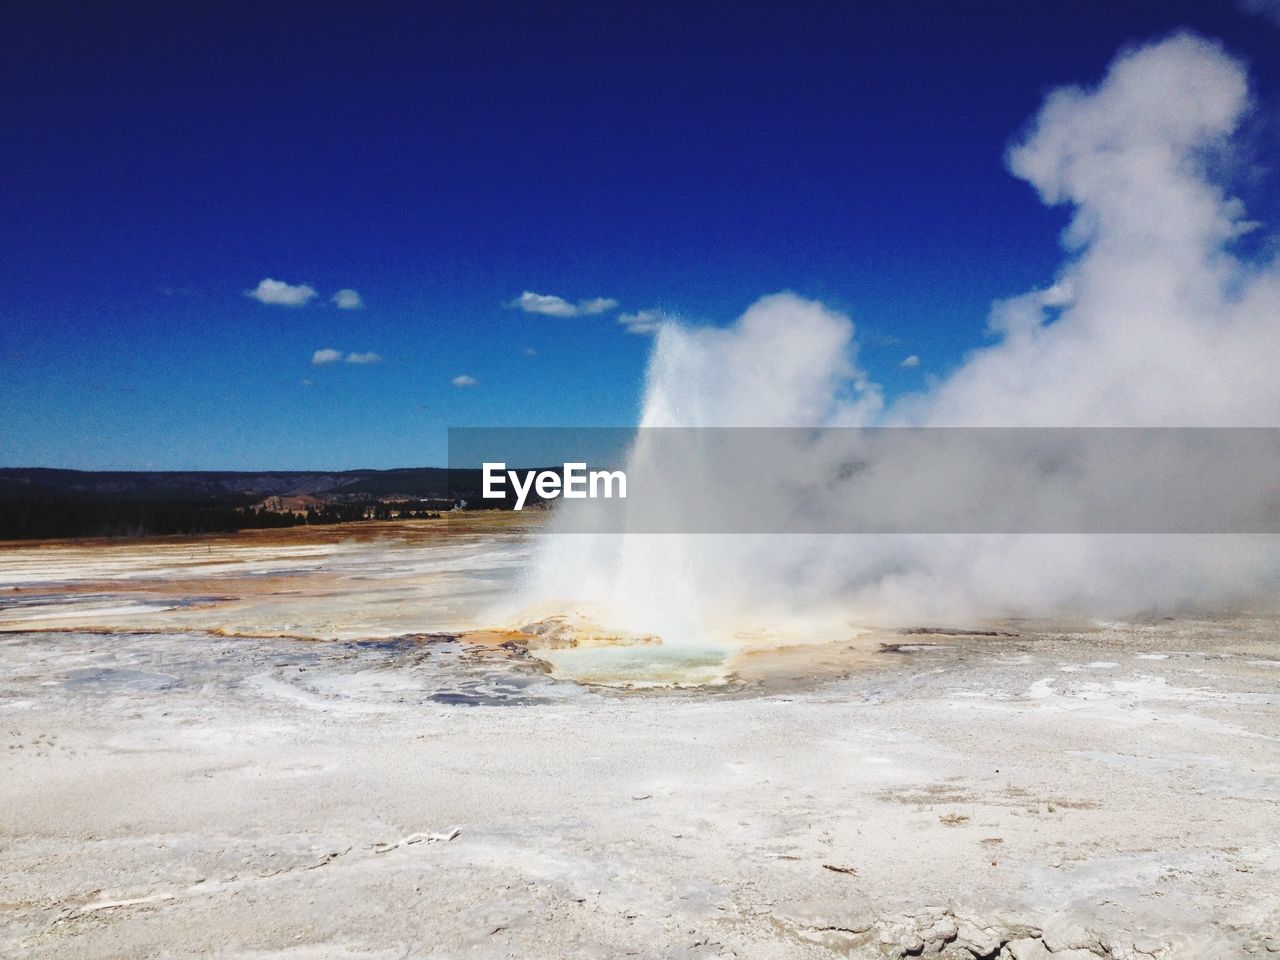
[[1153, 320]]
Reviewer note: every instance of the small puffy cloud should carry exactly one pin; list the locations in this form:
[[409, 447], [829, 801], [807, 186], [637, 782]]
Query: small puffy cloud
[[530, 352], [464, 380], [1264, 8], [348, 299], [327, 355], [552, 306], [277, 293], [598, 305], [910, 362], [545, 304], [644, 321]]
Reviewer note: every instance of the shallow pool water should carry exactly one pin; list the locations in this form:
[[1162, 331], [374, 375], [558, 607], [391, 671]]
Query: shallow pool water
[[641, 665]]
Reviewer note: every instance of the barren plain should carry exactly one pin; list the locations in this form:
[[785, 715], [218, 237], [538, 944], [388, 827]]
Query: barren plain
[[288, 745]]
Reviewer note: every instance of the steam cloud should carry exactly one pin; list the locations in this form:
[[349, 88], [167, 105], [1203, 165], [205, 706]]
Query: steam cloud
[[1153, 320]]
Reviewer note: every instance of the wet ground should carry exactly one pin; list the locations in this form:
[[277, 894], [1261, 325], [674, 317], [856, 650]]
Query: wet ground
[[347, 581]]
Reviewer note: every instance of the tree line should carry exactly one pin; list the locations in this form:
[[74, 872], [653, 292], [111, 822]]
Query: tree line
[[58, 518]]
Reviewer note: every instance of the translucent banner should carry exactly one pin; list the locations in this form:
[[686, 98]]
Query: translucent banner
[[876, 480]]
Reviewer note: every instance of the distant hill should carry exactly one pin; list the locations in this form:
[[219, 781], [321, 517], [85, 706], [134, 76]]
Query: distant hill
[[42, 503], [243, 487]]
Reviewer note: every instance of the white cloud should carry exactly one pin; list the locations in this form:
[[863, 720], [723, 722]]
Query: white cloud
[[1265, 8], [546, 304], [277, 293], [530, 352], [644, 321], [464, 380], [553, 306], [327, 355], [598, 305], [910, 362], [348, 299]]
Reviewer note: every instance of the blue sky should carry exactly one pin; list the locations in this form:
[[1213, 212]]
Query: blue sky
[[160, 161]]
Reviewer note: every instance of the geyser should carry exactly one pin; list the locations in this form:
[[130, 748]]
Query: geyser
[[1154, 319]]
